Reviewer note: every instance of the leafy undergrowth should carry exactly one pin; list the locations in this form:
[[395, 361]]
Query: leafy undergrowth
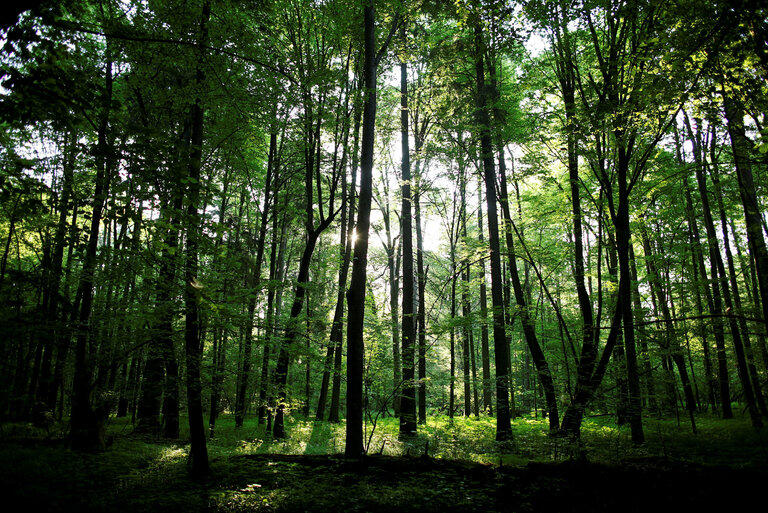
[[448, 467]]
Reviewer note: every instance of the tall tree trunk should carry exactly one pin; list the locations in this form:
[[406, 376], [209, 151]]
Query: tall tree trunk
[[356, 293], [393, 264], [621, 223], [522, 302], [742, 323], [421, 313], [161, 354], [54, 280], [485, 355], [482, 119], [313, 232], [274, 301], [750, 281], [465, 307], [254, 281], [333, 414], [408, 395], [714, 306], [221, 333], [198, 453], [292, 332], [85, 425], [650, 382], [752, 213], [718, 272], [619, 354], [671, 345], [337, 325]]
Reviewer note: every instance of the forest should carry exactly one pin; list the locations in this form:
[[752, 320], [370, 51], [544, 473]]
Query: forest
[[383, 255]]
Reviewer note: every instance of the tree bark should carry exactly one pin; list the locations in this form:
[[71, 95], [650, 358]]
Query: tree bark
[[485, 355], [482, 119], [752, 214], [408, 394], [85, 425], [198, 453], [718, 272], [254, 282], [356, 293]]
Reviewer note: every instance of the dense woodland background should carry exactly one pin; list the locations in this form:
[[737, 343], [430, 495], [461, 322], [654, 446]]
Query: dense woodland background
[[348, 211]]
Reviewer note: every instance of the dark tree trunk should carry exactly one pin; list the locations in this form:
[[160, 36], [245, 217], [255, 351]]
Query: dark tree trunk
[[221, 332], [621, 223], [161, 357], [408, 395], [54, 280], [274, 302], [721, 282], [465, 307], [254, 281], [482, 119], [333, 414], [714, 306], [748, 357], [671, 346], [337, 325], [484, 346], [452, 384], [522, 302], [752, 213], [650, 382], [393, 266], [198, 453], [86, 431], [421, 313], [312, 157], [292, 332], [356, 293]]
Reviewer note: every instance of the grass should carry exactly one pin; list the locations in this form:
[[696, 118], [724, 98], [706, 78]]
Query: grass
[[252, 472], [718, 442]]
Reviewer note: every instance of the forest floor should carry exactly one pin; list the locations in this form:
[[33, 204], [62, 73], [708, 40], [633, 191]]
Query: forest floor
[[448, 467]]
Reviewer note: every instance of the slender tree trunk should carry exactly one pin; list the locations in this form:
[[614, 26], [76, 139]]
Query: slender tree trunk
[[522, 302], [254, 281], [274, 301], [408, 394], [161, 353], [221, 332], [333, 414], [85, 425], [645, 355], [482, 119], [356, 293], [621, 222], [292, 332], [749, 360], [750, 281], [421, 314], [46, 381], [452, 384], [619, 355], [465, 307], [714, 306], [484, 346], [671, 345], [198, 453], [752, 212], [337, 326], [718, 272]]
